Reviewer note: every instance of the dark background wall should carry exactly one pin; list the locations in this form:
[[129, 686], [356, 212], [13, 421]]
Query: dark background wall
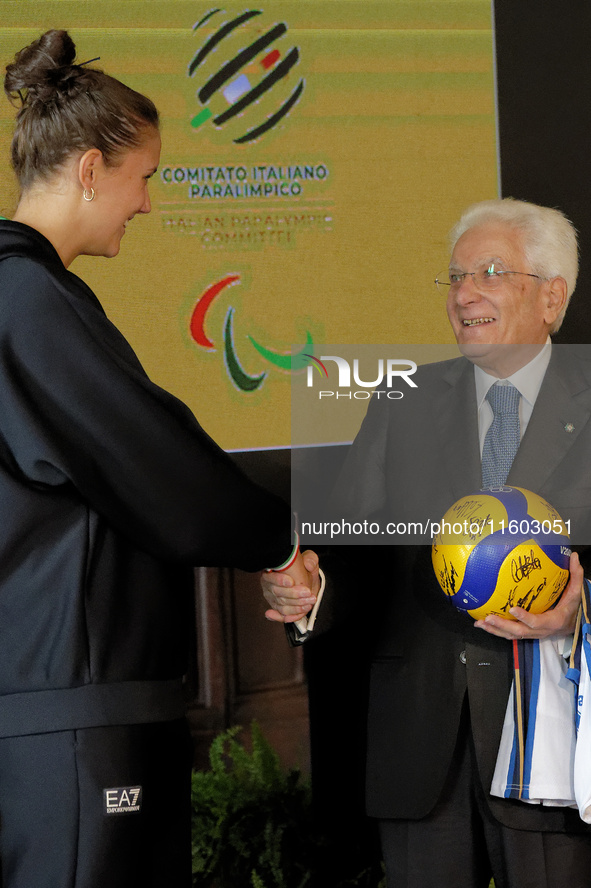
[[544, 117]]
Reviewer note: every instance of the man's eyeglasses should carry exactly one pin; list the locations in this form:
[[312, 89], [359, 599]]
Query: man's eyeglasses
[[485, 279]]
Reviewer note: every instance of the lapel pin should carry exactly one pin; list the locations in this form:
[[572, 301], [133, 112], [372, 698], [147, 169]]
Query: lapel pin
[[569, 427]]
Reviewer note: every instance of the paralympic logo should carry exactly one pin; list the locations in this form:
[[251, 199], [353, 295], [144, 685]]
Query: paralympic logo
[[243, 381], [244, 76]]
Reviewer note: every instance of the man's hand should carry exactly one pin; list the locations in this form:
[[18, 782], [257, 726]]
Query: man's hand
[[292, 593], [558, 621]]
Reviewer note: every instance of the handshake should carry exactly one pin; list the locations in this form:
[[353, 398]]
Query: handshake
[[292, 593]]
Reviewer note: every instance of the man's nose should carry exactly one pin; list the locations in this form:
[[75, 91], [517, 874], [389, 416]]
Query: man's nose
[[467, 291]]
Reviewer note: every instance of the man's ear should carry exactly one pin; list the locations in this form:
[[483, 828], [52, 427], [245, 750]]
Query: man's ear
[[89, 166], [556, 299]]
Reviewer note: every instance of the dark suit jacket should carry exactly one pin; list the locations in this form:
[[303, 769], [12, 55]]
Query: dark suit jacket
[[412, 459]]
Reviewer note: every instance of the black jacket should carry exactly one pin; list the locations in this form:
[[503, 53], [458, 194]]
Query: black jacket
[[109, 492]]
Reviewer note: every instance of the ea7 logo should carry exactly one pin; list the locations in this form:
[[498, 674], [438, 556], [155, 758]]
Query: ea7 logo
[[123, 800]]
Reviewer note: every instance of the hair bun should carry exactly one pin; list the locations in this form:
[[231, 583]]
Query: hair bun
[[43, 70]]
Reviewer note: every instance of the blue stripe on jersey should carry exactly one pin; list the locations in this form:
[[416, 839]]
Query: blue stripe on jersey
[[511, 790], [531, 660]]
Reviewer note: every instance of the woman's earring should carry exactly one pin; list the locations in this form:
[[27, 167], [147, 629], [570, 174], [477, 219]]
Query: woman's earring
[[85, 194]]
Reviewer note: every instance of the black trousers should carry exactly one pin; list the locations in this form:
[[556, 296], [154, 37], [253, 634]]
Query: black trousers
[[460, 845], [107, 806]]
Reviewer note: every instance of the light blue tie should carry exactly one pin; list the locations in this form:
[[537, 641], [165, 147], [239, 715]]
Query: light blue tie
[[502, 439]]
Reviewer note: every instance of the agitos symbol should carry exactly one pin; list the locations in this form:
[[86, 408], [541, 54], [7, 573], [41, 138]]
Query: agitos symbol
[[241, 379], [246, 76]]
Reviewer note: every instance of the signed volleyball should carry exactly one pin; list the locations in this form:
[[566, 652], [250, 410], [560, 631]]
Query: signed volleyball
[[501, 548]]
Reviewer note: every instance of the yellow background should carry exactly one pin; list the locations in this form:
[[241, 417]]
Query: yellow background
[[398, 105]]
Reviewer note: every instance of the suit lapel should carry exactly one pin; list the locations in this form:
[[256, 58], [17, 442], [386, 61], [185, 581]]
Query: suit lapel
[[561, 411], [456, 426]]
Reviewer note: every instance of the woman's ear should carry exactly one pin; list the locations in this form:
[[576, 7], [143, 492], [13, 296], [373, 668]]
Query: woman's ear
[[89, 166]]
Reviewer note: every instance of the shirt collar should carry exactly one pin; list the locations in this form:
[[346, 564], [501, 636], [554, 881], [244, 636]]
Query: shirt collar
[[527, 380]]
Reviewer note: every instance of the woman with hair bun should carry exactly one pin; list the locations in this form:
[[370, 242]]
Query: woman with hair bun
[[110, 492]]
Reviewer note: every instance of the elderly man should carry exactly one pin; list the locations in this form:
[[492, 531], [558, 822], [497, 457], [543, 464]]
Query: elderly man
[[439, 681]]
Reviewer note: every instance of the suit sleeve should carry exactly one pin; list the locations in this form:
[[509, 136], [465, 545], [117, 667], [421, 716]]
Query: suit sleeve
[[77, 409]]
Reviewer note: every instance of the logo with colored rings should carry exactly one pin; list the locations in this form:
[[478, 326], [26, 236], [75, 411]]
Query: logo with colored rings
[[246, 74], [241, 379]]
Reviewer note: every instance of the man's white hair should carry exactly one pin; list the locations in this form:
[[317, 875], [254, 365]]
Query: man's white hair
[[549, 238]]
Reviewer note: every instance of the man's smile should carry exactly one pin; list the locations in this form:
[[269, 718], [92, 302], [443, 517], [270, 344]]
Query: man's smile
[[473, 322]]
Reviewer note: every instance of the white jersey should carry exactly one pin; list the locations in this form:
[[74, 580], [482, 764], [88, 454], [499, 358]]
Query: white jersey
[[580, 673], [545, 750]]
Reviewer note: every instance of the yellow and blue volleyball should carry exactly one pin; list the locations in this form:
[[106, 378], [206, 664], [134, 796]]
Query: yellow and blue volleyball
[[501, 548]]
